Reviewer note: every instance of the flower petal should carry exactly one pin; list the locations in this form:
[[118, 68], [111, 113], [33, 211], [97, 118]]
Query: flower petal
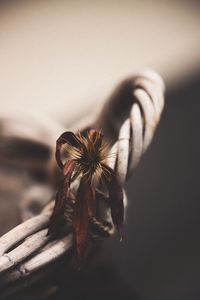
[[67, 137], [116, 199], [96, 137], [83, 214], [61, 196]]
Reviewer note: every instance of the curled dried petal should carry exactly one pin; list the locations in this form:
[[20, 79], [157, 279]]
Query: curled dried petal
[[96, 137], [83, 214], [67, 137], [116, 199], [61, 197]]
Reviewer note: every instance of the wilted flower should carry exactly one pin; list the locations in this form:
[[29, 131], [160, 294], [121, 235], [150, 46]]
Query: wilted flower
[[86, 160]]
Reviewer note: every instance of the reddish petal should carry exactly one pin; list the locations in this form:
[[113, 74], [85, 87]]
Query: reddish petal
[[65, 138], [83, 213], [116, 199], [96, 137], [61, 196]]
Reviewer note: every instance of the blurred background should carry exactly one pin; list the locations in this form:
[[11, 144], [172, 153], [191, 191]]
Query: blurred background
[[61, 58]]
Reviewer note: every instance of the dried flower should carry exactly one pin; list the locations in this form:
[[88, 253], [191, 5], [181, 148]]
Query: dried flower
[[86, 160]]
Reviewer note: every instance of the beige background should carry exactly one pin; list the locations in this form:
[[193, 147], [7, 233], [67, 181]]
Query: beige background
[[61, 57]]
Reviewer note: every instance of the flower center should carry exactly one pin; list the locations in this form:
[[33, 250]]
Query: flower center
[[89, 162]]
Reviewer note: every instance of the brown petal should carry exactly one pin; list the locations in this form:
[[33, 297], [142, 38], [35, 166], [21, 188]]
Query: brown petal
[[96, 137], [61, 196], [116, 199], [67, 137], [83, 214]]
